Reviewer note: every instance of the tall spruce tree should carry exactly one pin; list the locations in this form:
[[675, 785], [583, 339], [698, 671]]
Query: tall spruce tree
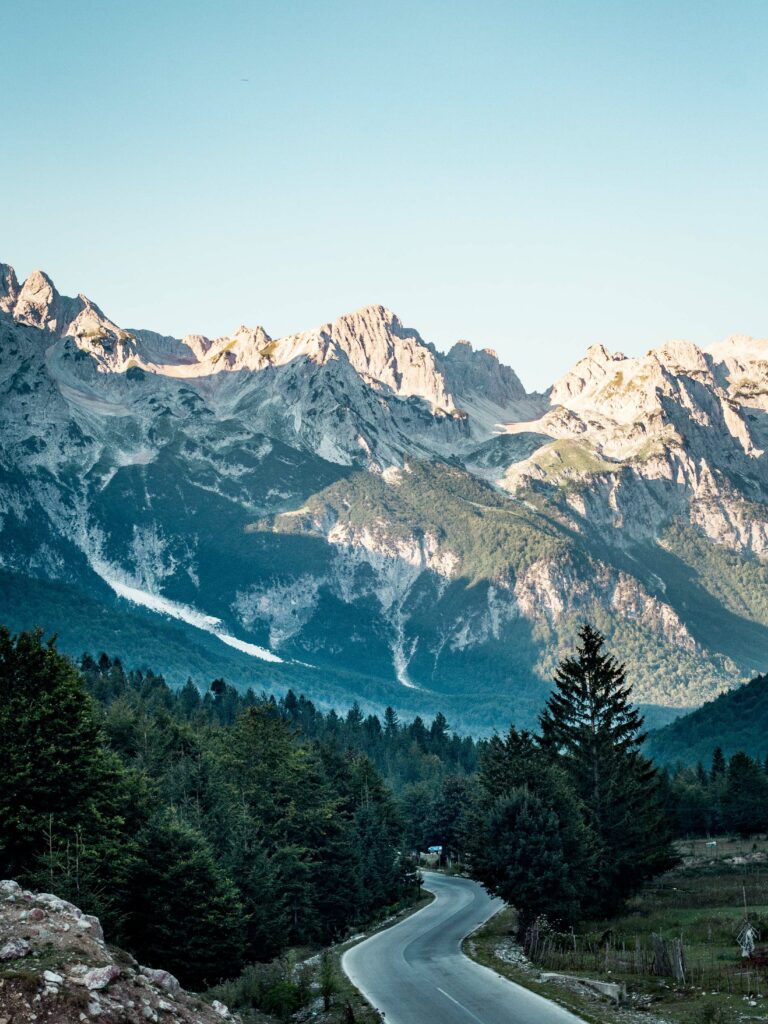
[[745, 796], [66, 807], [525, 832], [591, 727], [718, 763], [187, 916]]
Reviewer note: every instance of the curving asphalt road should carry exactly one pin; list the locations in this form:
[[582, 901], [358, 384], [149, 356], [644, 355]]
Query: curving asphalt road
[[415, 972]]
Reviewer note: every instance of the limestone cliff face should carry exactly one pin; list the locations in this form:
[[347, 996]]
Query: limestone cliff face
[[480, 373], [9, 288], [348, 497], [675, 433]]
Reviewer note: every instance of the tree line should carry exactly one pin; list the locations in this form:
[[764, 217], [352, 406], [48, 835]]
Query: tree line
[[203, 830], [210, 830], [731, 796]]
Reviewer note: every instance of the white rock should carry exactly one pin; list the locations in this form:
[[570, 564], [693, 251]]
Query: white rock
[[163, 979], [14, 949], [101, 977]]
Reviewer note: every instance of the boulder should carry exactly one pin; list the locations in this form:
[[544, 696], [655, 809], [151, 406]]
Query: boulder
[[101, 977], [15, 949], [57, 905], [95, 926], [163, 979]]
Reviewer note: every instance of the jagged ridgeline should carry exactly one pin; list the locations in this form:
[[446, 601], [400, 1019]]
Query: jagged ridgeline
[[352, 513]]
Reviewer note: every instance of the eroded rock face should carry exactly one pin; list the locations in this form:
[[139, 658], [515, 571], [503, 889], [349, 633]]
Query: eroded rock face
[[479, 372], [145, 462], [9, 288], [81, 980]]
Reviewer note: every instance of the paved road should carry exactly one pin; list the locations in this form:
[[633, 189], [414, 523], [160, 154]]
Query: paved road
[[416, 973]]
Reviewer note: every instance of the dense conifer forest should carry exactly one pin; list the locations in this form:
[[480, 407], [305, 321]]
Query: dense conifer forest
[[213, 829], [208, 830], [736, 721]]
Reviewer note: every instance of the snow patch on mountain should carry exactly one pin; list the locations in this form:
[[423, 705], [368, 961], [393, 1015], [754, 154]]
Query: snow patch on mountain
[[177, 610]]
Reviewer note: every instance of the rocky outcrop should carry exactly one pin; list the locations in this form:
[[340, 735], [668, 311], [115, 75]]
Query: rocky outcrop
[[55, 968], [385, 353], [470, 372], [9, 288], [192, 476], [38, 304]]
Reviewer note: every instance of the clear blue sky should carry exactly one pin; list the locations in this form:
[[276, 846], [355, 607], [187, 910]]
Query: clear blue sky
[[532, 176]]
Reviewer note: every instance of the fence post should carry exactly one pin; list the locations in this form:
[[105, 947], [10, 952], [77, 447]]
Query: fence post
[[661, 965], [678, 961]]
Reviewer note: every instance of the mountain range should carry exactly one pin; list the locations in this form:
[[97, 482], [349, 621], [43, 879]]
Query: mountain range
[[351, 512]]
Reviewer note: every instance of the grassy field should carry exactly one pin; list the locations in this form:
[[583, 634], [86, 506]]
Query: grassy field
[[701, 904]]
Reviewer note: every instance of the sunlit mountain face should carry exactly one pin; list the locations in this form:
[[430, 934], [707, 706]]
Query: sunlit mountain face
[[350, 512]]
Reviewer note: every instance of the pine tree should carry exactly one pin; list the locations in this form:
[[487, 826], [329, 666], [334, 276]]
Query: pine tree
[[64, 798], [718, 763], [745, 798], [438, 731], [189, 699], [186, 913], [354, 718], [391, 722], [519, 855], [590, 726]]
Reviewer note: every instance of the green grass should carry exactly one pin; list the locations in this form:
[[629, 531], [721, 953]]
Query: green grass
[[568, 458], [269, 350], [701, 902]]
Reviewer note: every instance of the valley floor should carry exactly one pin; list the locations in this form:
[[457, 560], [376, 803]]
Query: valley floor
[[702, 903]]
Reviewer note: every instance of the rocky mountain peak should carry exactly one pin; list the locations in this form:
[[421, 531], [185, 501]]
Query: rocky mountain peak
[[38, 303], [479, 373], [373, 329], [256, 334], [599, 353], [680, 355], [9, 288], [384, 352], [740, 352], [590, 373], [244, 350]]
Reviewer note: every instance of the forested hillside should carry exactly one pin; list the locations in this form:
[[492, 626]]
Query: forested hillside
[[735, 721], [204, 831]]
